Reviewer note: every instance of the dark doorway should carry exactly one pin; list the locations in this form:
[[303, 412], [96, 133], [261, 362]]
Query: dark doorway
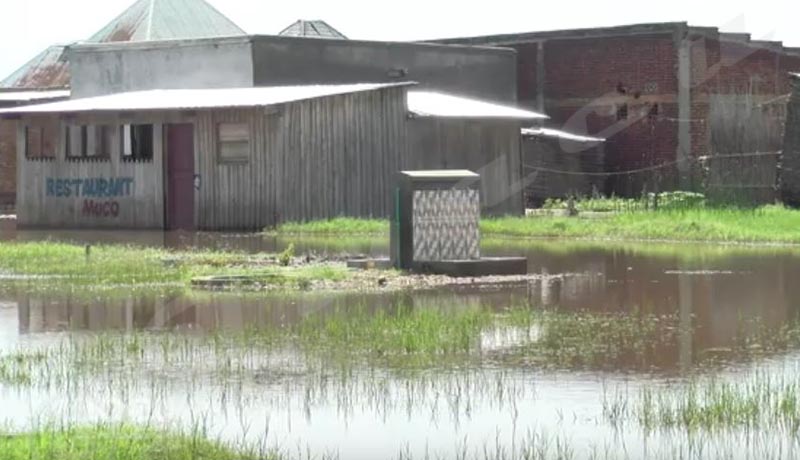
[[180, 177]]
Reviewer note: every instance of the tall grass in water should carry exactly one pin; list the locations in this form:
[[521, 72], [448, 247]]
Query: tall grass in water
[[401, 338], [759, 401]]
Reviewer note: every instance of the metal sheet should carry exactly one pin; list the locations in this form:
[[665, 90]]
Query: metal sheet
[[29, 96], [188, 99], [558, 134], [436, 104]]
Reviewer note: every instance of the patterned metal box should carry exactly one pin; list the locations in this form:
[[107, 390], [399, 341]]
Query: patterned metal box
[[446, 225], [437, 217]]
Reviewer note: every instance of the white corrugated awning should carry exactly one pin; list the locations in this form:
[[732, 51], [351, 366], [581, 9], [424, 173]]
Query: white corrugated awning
[[190, 99], [420, 103], [436, 104], [30, 96], [558, 134]]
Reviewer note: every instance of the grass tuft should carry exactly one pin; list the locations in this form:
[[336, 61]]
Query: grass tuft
[[119, 442]]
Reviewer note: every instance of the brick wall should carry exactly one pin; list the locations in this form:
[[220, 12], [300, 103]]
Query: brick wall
[[8, 163], [589, 80], [750, 79], [527, 78]]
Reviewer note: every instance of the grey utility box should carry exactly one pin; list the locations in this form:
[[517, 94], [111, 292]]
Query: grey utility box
[[437, 217]]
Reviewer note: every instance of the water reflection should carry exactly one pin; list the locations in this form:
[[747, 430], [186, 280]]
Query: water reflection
[[712, 296], [716, 301]]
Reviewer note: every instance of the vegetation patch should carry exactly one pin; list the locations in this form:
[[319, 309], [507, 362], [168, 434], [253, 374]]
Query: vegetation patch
[[120, 442], [760, 401], [56, 265], [681, 217], [337, 226]]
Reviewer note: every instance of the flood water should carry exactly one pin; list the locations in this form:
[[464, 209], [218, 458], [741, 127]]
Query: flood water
[[718, 308]]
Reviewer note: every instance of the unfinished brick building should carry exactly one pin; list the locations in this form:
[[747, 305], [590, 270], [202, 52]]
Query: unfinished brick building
[[664, 96]]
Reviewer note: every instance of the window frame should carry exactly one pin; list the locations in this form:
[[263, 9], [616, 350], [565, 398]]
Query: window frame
[[103, 151], [244, 136], [130, 141], [44, 129], [83, 142]]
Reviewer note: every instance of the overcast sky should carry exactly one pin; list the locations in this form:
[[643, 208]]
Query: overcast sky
[[29, 26]]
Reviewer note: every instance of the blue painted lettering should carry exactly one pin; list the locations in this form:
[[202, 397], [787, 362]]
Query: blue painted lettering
[[94, 187]]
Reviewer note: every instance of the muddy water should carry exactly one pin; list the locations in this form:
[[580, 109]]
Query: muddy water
[[716, 296]]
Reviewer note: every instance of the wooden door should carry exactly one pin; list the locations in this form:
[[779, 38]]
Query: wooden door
[[180, 177]]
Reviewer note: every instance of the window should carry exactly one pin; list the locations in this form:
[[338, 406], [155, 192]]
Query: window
[[622, 112], [40, 140], [234, 141], [76, 141], [104, 141], [137, 142]]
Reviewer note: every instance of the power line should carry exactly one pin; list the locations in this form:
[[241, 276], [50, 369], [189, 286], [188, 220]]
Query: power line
[[650, 168]]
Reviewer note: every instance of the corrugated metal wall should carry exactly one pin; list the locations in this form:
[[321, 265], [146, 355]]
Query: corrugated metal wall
[[142, 208], [314, 159], [490, 148], [558, 171], [790, 168]]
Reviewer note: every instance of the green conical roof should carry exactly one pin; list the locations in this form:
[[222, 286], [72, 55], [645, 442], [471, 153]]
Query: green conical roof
[[144, 20], [312, 29], [167, 20]]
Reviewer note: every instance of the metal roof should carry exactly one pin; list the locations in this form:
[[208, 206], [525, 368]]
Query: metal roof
[[28, 96], [435, 104], [148, 20], [441, 173], [189, 99], [420, 103], [558, 134], [144, 20], [312, 29], [49, 69]]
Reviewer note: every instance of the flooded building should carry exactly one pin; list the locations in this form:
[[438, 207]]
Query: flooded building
[[664, 96], [250, 158], [145, 20], [8, 139]]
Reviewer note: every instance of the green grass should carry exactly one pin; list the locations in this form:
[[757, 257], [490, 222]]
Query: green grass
[[120, 265], [405, 331], [768, 224], [403, 337], [337, 226], [118, 442]]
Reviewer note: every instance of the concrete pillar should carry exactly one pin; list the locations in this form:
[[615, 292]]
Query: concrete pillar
[[540, 78], [683, 155]]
